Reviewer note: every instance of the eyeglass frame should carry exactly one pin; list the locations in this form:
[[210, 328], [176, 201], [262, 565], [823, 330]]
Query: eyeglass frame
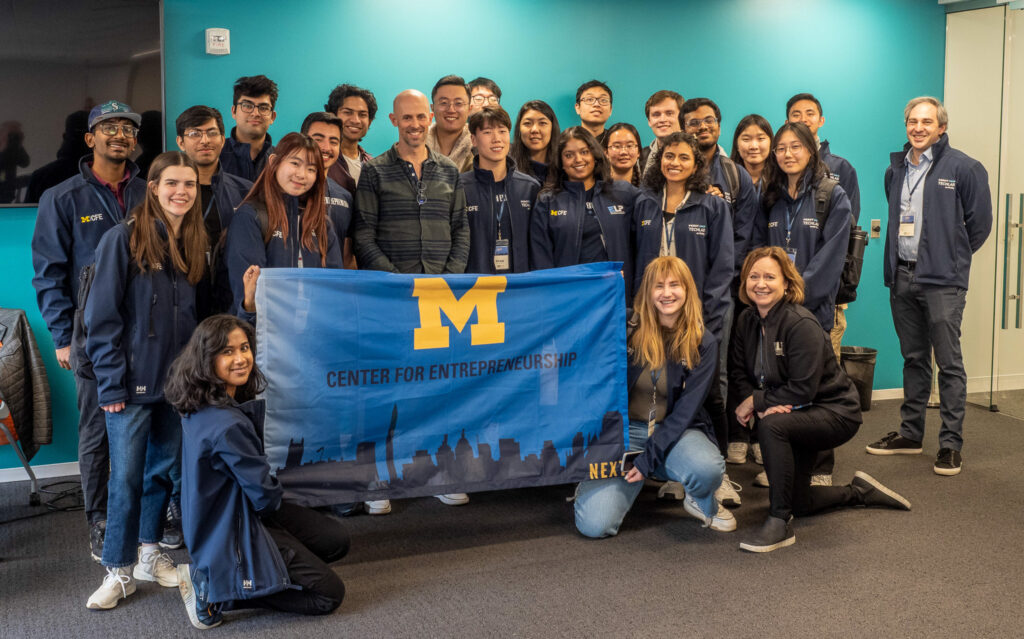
[[248, 106], [129, 129], [199, 134], [694, 123]]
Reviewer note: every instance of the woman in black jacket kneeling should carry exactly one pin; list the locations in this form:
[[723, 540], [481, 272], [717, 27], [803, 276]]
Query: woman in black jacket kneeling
[[782, 362]]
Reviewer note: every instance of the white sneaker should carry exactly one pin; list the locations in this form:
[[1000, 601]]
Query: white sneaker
[[728, 494], [755, 449], [737, 453], [821, 480], [117, 585], [378, 507], [454, 499], [155, 566], [671, 490], [761, 479], [723, 521]]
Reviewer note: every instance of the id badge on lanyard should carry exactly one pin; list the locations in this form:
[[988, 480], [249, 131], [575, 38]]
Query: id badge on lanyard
[[501, 257]]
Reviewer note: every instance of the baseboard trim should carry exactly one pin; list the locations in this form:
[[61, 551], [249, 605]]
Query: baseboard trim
[[887, 393], [45, 471]]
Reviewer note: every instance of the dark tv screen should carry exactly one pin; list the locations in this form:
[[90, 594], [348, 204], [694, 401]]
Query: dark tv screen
[[58, 59]]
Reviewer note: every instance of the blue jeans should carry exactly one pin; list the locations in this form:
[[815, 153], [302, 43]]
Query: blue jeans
[[602, 504], [145, 443]]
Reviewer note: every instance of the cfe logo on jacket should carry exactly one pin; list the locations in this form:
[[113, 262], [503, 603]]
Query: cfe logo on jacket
[[435, 297], [91, 218]]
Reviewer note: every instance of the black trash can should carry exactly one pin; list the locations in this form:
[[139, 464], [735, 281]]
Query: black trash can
[[859, 364]]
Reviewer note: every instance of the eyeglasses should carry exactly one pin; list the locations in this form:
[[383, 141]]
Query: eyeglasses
[[484, 99], [794, 149], [629, 146], [458, 105], [708, 121], [111, 129], [590, 101], [247, 107], [196, 134]]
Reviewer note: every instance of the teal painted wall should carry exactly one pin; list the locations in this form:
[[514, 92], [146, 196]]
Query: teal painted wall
[[748, 55]]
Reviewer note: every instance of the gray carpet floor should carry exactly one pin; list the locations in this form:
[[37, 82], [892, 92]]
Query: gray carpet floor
[[510, 564]]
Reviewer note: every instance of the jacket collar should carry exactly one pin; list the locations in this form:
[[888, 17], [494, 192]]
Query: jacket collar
[[938, 149], [86, 171], [486, 177]]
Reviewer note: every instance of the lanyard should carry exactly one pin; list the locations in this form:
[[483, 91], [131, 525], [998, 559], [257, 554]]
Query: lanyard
[[906, 180], [668, 227], [790, 218], [501, 209], [655, 375]]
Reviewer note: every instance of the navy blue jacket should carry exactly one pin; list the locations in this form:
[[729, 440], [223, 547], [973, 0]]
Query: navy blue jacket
[[520, 193], [72, 218], [339, 209], [820, 253], [136, 322], [703, 234], [556, 227], [957, 208], [225, 486], [245, 247], [235, 157], [228, 192], [843, 171], [214, 292], [687, 390], [745, 206]]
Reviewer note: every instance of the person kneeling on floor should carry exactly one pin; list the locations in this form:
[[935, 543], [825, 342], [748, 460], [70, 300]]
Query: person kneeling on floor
[[249, 548], [671, 367], [782, 363]]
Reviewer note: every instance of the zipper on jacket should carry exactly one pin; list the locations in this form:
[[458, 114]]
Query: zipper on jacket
[[174, 297], [152, 312]]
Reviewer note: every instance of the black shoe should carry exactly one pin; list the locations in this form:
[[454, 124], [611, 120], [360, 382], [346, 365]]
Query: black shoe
[[96, 534], [872, 493], [193, 588], [774, 534], [948, 462], [345, 510], [894, 444], [173, 537]]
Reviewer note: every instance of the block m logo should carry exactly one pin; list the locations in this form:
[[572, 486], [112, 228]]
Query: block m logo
[[436, 297]]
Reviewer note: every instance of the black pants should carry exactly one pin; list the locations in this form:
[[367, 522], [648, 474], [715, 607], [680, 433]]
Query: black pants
[[308, 541], [790, 443], [93, 451]]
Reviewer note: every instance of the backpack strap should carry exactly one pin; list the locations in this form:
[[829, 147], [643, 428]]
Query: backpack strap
[[732, 176], [823, 200], [263, 217]]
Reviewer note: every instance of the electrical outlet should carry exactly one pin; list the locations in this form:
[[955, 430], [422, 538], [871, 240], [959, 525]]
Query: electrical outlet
[[876, 228]]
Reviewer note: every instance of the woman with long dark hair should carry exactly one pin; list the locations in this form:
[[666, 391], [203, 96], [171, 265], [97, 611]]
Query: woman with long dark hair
[[622, 146], [697, 228], [781, 363], [751, 146], [229, 498], [796, 178], [671, 366], [140, 311], [581, 215], [283, 220], [533, 140]]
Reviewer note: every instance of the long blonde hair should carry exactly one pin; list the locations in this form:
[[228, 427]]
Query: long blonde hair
[[682, 342]]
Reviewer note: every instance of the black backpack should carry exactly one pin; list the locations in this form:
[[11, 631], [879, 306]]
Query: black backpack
[[854, 262]]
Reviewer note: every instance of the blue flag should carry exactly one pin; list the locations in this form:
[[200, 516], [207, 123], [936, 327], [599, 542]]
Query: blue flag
[[383, 385]]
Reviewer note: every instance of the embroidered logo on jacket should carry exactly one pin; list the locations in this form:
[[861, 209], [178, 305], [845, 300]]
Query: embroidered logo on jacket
[[472, 208], [698, 229], [811, 222], [947, 183], [336, 201], [140, 390], [278, 234], [559, 212], [525, 204], [92, 218], [617, 209], [778, 349]]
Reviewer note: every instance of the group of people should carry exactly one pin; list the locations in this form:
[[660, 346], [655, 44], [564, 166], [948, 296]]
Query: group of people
[[731, 265]]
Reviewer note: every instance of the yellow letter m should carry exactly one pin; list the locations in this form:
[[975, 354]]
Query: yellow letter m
[[435, 296]]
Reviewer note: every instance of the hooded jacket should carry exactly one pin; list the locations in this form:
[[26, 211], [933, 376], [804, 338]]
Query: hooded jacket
[[225, 486], [703, 239], [245, 246], [684, 409], [137, 322], [556, 227], [482, 205], [820, 253], [957, 209], [73, 216], [799, 365]]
